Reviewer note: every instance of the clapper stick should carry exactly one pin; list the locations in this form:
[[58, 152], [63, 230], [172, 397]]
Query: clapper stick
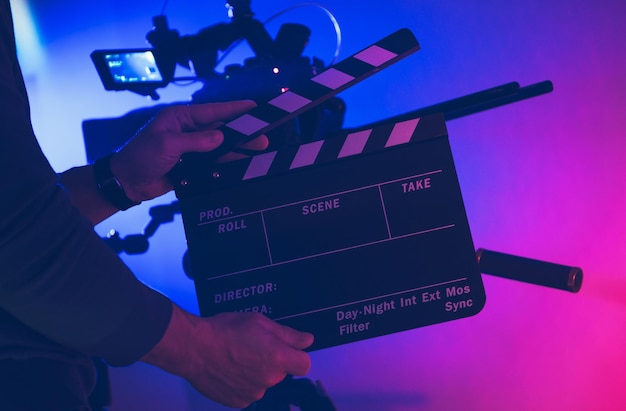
[[306, 95]]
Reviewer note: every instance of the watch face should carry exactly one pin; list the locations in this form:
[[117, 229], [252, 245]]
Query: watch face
[[109, 183]]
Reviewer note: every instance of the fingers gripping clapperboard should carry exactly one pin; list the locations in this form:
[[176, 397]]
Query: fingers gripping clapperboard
[[360, 235]]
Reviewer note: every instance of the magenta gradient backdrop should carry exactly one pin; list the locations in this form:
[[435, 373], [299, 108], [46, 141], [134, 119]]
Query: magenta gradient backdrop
[[544, 178]]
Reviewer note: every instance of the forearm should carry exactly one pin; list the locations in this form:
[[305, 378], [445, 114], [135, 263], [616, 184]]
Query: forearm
[[171, 353], [86, 197]]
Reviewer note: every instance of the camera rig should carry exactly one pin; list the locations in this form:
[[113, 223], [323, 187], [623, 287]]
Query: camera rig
[[277, 64]]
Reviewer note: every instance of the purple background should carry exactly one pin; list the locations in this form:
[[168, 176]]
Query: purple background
[[543, 178]]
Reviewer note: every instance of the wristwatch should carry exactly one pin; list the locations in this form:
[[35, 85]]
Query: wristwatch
[[110, 186]]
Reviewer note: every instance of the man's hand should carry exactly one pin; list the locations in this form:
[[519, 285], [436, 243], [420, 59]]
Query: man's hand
[[231, 358], [142, 164]]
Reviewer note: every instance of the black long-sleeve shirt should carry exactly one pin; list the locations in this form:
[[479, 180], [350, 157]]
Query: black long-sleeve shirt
[[63, 292]]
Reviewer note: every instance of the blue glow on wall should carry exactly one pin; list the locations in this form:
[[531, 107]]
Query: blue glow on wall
[[543, 178]]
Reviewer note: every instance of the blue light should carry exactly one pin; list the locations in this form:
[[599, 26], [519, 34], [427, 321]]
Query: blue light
[[29, 49]]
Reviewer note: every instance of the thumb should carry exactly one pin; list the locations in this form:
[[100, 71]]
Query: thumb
[[294, 338]]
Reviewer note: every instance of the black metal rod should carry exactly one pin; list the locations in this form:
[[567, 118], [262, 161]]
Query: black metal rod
[[472, 103], [527, 270], [460, 104], [523, 93]]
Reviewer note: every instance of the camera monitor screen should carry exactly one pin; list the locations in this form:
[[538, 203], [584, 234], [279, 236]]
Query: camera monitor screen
[[127, 68]]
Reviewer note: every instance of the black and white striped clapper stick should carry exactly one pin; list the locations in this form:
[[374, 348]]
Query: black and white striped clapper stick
[[308, 94]]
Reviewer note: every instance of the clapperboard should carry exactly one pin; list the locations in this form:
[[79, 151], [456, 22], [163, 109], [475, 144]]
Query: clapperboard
[[360, 235]]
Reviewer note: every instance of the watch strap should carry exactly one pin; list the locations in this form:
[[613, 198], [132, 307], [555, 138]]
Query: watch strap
[[110, 186]]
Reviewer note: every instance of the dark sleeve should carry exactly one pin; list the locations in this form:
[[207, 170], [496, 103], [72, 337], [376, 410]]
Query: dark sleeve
[[56, 275]]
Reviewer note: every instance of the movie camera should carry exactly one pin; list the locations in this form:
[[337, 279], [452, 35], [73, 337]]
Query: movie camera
[[277, 64]]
